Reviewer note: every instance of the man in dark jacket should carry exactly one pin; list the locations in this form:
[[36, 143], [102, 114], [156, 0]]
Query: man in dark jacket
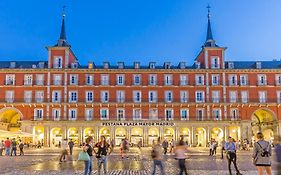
[[165, 145], [278, 154]]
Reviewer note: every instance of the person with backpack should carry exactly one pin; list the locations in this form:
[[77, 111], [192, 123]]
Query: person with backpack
[[262, 155], [21, 145], [165, 145], [230, 148], [102, 154], [14, 147], [157, 156]]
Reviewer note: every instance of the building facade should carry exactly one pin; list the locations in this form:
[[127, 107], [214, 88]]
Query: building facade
[[212, 98]]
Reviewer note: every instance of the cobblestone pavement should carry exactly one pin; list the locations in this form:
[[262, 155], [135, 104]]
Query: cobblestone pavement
[[45, 161]]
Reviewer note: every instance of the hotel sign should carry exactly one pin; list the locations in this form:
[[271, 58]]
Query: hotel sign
[[137, 124]]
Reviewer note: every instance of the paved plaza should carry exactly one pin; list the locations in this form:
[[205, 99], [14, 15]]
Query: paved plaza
[[45, 161]]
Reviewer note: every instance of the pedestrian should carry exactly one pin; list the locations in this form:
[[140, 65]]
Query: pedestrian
[[2, 147], [140, 144], [88, 147], [7, 144], [180, 152], [165, 145], [14, 147], [70, 145], [214, 147], [64, 150], [262, 155], [21, 145], [278, 154], [172, 145], [230, 148], [112, 144], [211, 147], [125, 148], [157, 156], [102, 154], [222, 148]]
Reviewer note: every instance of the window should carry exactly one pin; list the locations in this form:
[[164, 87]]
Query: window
[[72, 114], [120, 96], [136, 114], [152, 80], [168, 80], [215, 96], [89, 96], [120, 80], [215, 64], [199, 95], [278, 79], [153, 114], [137, 79], [230, 65], [199, 80], [28, 80], [120, 114], [104, 114], [262, 96], [183, 96], [137, 96], [89, 114], [73, 79], [232, 96], [234, 113], [200, 114], [57, 62], [278, 96], [56, 96], [73, 96], [57, 79], [89, 79], [184, 114], [56, 113], [217, 114], [104, 80], [152, 95], [169, 114], [168, 96], [262, 80], [243, 80], [244, 96], [215, 80], [104, 96], [10, 96], [183, 80], [38, 114], [232, 79], [10, 79], [27, 96], [39, 96], [39, 79]]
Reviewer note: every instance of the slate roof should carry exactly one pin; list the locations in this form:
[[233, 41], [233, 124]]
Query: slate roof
[[252, 64], [23, 64]]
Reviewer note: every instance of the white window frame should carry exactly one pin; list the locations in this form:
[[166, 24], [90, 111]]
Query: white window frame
[[213, 64], [216, 111], [120, 96], [183, 79], [10, 79], [202, 100], [57, 79], [262, 79], [104, 79], [171, 115], [262, 96], [155, 114], [153, 98], [137, 99], [103, 96], [187, 114], [36, 117], [244, 96], [152, 79], [89, 79], [135, 117], [232, 111], [89, 114], [120, 114], [183, 96], [101, 113], [73, 79], [58, 98], [168, 79], [278, 79], [135, 76], [39, 96], [56, 64], [200, 118], [10, 96], [215, 96], [199, 80], [28, 96], [28, 78], [245, 82], [217, 78], [232, 79], [72, 111], [71, 99], [88, 100], [120, 79], [233, 96], [168, 96], [56, 111], [39, 79]]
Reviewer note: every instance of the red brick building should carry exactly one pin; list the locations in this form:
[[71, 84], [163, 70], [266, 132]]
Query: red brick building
[[212, 98]]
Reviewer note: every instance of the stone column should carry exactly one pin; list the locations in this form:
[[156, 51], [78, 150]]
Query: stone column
[[177, 134], [145, 136], [46, 136], [208, 135], [193, 136], [97, 134], [64, 132], [226, 133], [80, 135]]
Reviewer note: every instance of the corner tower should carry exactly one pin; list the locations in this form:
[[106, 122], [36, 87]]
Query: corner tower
[[60, 55], [211, 55]]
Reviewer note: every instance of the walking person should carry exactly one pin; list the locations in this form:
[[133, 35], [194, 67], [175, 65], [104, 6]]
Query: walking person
[[140, 144], [180, 152], [215, 145], [222, 148], [211, 147], [262, 155], [125, 148], [278, 154], [2, 147], [230, 148], [112, 144], [102, 154], [64, 151], [165, 145], [157, 156], [14, 147], [172, 145], [7, 144], [70, 145], [88, 148], [21, 145]]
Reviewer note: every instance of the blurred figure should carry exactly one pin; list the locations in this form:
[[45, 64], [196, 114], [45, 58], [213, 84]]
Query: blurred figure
[[157, 156], [102, 154], [2, 147], [70, 145], [64, 150], [262, 155], [172, 145], [21, 145], [230, 148], [165, 145], [222, 148], [7, 144], [88, 148], [112, 144], [278, 154], [14, 147], [180, 152], [140, 144]]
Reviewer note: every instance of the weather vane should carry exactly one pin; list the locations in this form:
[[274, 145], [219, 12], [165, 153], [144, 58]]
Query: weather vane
[[63, 10], [208, 7]]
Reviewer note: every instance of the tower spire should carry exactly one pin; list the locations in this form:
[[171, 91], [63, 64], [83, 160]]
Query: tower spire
[[62, 39], [210, 42]]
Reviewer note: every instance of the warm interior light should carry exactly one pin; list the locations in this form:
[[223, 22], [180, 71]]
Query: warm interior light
[[216, 131], [200, 132], [104, 132], [184, 132], [56, 132], [73, 132], [233, 130], [39, 131], [89, 132], [169, 132]]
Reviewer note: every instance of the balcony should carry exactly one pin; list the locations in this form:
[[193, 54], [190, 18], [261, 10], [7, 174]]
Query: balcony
[[10, 83]]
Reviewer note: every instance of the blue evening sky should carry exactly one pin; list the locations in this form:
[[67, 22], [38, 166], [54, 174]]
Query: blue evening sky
[[140, 30]]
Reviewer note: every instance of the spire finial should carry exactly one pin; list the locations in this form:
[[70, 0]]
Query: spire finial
[[209, 38], [63, 11], [62, 40], [209, 13]]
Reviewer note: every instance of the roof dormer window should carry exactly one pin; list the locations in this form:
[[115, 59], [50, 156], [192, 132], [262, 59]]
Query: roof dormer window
[[152, 65], [41, 65], [120, 65], [167, 65], [182, 65], [136, 65], [230, 65], [13, 64], [197, 65], [106, 65], [258, 65]]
